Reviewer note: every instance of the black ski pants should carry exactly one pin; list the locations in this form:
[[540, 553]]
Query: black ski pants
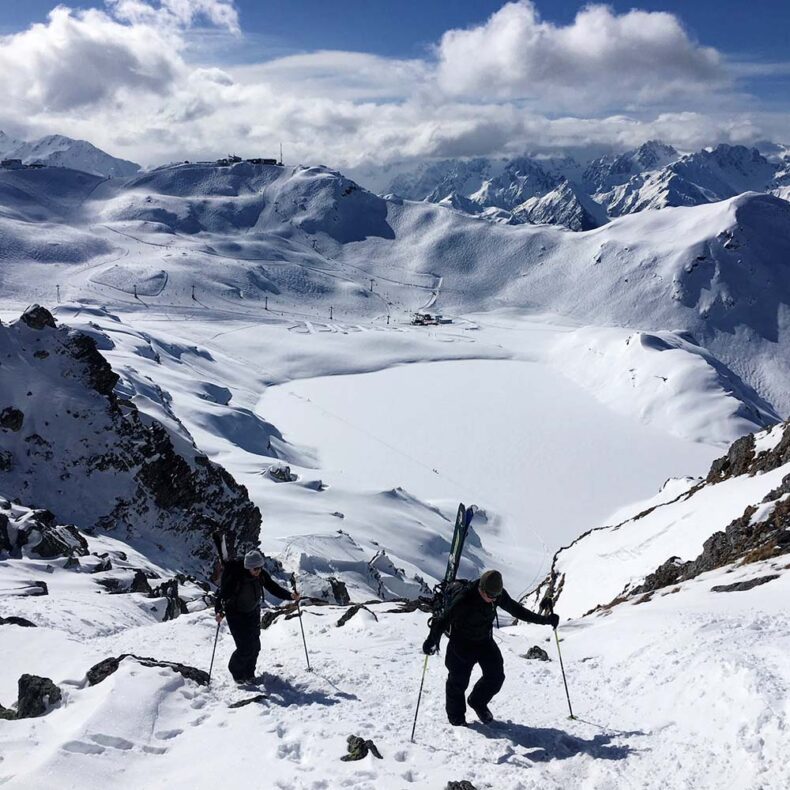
[[460, 659], [245, 627]]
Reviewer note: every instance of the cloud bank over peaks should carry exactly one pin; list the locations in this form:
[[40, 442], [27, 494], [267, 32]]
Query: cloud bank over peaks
[[134, 79]]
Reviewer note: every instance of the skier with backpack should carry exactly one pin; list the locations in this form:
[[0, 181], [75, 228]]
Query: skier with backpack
[[239, 600], [468, 618]]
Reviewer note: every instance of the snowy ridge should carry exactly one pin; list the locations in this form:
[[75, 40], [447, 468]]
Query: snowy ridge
[[735, 518], [562, 192], [57, 150], [70, 445]]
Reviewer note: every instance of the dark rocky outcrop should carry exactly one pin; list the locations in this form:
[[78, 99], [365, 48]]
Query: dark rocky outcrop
[[37, 317], [351, 612], [742, 458], [745, 585], [11, 419], [741, 541], [20, 621], [7, 714], [462, 785], [101, 671], [339, 591], [537, 654], [37, 533], [94, 459], [173, 606], [36, 696]]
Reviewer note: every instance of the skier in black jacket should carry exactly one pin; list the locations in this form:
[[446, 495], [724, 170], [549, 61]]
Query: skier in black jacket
[[470, 618], [239, 599]]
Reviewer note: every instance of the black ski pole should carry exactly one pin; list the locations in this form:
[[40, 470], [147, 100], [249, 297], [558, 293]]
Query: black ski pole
[[559, 653], [419, 697], [216, 637], [299, 611]]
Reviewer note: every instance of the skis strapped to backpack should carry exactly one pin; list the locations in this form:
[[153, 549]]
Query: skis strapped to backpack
[[448, 589]]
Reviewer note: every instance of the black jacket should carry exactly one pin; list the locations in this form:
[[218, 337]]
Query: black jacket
[[240, 592], [471, 619]]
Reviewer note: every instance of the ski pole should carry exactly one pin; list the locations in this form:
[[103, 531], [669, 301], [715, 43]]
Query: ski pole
[[216, 637], [299, 610], [564, 680], [419, 697]]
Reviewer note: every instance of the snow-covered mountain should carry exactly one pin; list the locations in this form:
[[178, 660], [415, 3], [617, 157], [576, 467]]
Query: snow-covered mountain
[[313, 237], [561, 192], [56, 150]]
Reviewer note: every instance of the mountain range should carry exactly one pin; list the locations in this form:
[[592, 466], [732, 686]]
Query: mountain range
[[581, 197]]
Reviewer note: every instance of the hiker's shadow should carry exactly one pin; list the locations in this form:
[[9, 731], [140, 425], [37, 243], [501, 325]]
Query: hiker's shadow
[[542, 744], [285, 693]]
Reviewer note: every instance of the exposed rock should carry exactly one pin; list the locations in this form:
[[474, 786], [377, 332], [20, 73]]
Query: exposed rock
[[537, 653], [99, 672], [36, 696], [11, 419], [169, 591], [140, 583], [99, 374], [462, 785], [359, 748], [20, 621], [142, 487], [351, 612], [736, 462], [746, 585], [5, 538], [7, 714], [37, 317], [742, 458], [339, 591], [742, 540], [65, 541]]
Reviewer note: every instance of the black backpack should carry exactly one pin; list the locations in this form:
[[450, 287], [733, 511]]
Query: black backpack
[[448, 597]]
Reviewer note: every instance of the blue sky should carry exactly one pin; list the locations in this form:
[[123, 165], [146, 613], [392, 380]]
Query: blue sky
[[404, 28], [361, 82]]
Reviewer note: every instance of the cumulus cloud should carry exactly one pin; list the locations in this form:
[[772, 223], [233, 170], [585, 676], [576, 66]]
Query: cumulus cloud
[[82, 58], [601, 57]]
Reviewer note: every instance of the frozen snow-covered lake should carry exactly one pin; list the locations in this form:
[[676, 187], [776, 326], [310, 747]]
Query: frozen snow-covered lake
[[515, 437]]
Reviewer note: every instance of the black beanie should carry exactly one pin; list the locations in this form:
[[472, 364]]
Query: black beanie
[[491, 583]]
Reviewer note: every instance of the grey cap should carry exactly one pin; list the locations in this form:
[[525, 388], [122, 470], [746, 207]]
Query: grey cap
[[253, 559], [491, 583]]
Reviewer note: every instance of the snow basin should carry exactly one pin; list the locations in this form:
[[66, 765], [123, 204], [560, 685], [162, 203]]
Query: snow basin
[[494, 433]]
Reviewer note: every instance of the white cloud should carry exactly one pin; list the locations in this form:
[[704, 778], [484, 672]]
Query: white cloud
[[83, 58], [177, 13], [599, 59], [128, 79]]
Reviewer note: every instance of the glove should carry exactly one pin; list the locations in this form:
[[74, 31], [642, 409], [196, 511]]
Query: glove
[[553, 620], [429, 646]]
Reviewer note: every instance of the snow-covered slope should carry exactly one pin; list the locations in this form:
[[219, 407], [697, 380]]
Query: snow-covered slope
[[56, 150], [68, 443], [688, 688], [309, 241], [739, 515]]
